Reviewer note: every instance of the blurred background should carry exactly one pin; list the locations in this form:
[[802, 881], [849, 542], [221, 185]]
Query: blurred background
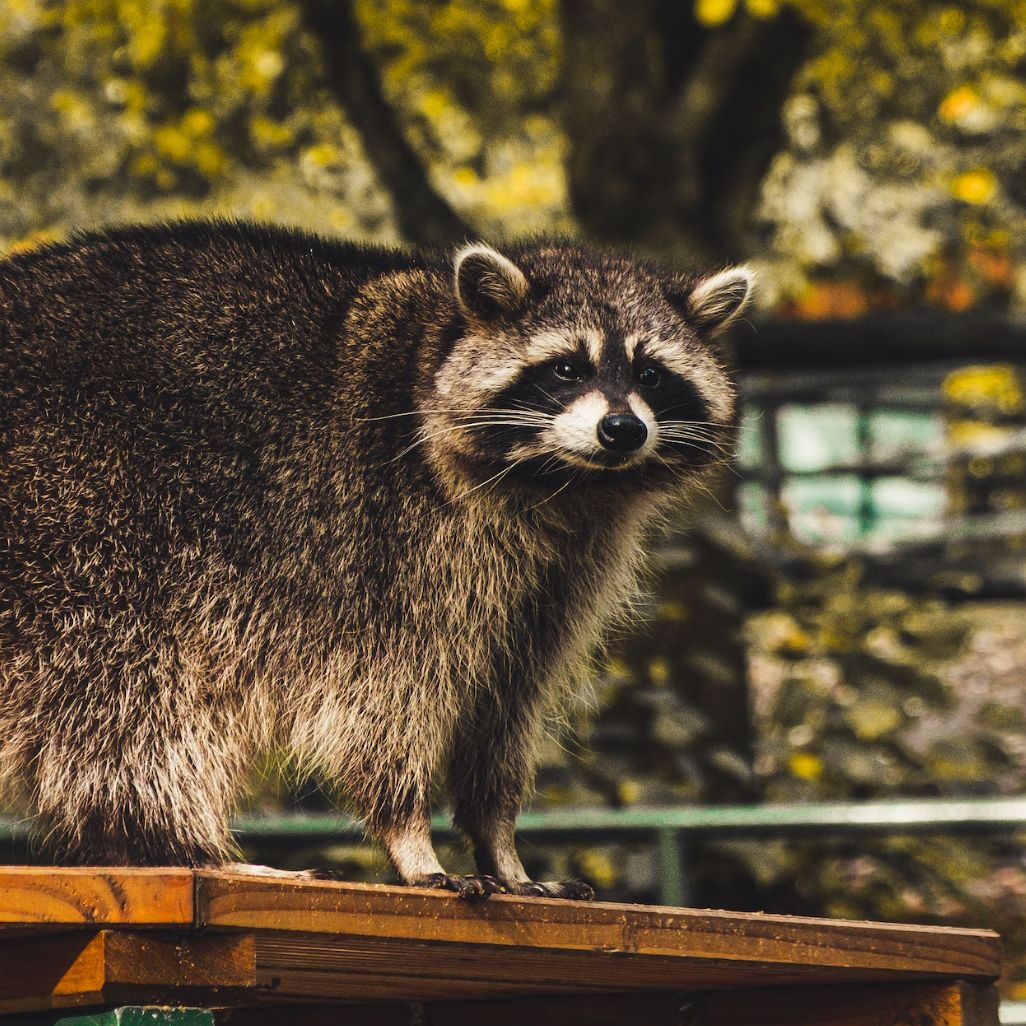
[[844, 620]]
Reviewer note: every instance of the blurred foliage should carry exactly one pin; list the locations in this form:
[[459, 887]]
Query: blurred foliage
[[986, 428], [905, 154], [900, 178], [120, 111]]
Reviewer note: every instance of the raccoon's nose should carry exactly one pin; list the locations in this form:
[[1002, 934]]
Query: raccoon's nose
[[622, 432]]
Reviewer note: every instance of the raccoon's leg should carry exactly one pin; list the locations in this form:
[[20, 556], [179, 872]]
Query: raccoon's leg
[[154, 787], [489, 770], [151, 817], [403, 825]]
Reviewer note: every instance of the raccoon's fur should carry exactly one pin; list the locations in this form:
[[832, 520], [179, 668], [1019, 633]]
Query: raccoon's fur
[[258, 488]]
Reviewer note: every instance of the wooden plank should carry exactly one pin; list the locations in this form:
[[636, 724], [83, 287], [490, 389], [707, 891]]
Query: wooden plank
[[341, 967], [906, 1004], [753, 947], [268, 940], [199, 961], [63, 897], [104, 967], [51, 972]]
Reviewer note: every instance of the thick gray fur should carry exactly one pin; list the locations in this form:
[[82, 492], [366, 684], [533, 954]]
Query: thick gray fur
[[260, 489]]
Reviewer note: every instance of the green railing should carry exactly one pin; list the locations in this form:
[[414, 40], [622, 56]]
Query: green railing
[[670, 828]]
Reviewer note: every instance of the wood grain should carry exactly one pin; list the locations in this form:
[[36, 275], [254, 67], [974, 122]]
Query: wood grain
[[914, 1004], [752, 946], [106, 966], [63, 897], [50, 972]]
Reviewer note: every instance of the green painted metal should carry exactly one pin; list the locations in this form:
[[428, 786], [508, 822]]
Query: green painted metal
[[928, 815], [140, 1015], [899, 817], [674, 886]]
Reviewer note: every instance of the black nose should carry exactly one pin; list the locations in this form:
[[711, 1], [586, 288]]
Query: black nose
[[622, 432]]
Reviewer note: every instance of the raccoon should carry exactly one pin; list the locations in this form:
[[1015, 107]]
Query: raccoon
[[371, 508]]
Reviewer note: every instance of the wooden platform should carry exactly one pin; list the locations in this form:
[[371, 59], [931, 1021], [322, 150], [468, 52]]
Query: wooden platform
[[253, 948]]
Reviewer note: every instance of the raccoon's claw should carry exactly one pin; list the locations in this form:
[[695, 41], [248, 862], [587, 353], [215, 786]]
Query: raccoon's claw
[[573, 890], [469, 887]]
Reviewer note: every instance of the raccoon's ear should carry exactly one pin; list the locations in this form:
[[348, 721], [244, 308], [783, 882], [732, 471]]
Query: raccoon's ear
[[712, 302], [487, 283]]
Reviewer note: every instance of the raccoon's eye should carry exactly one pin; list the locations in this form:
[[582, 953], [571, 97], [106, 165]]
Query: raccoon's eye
[[566, 371], [650, 377]]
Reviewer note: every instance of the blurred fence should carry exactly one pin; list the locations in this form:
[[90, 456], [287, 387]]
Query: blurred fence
[[669, 829], [902, 437]]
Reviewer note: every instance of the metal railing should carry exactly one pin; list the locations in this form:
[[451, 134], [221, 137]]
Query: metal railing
[[670, 828]]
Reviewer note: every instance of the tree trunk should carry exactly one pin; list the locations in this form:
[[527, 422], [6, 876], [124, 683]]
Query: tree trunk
[[671, 126], [423, 216]]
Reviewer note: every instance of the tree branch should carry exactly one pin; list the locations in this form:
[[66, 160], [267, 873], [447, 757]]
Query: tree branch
[[423, 216]]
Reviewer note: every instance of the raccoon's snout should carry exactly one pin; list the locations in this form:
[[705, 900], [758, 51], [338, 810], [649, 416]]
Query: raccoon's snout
[[622, 432]]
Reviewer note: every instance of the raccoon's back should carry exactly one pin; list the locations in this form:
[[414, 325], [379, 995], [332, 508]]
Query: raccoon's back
[[232, 313], [153, 382]]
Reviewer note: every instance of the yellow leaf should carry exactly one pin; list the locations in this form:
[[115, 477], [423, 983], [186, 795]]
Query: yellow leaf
[[197, 122], [986, 385], [172, 142], [872, 720], [958, 103], [714, 12], [805, 766], [974, 186], [629, 791], [597, 867], [659, 672]]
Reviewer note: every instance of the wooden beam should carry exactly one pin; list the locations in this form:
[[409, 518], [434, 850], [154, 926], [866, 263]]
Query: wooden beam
[[248, 940], [918, 1004], [921, 1004], [45, 896], [105, 967], [411, 933]]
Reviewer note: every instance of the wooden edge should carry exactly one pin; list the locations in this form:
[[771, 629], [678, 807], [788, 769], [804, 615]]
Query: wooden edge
[[107, 966], [243, 902], [54, 971], [908, 1004], [47, 896], [207, 878]]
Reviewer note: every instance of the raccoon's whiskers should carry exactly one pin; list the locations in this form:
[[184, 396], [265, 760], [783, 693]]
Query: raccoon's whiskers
[[424, 435], [494, 478]]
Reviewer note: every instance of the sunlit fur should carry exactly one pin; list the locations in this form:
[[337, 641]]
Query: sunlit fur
[[258, 489]]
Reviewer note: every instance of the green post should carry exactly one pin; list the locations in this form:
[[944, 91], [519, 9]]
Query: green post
[[673, 880]]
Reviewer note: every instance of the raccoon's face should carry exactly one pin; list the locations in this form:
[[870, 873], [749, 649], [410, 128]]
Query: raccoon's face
[[571, 368]]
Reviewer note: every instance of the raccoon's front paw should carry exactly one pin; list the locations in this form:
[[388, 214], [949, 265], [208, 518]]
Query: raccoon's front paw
[[469, 887], [575, 890]]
